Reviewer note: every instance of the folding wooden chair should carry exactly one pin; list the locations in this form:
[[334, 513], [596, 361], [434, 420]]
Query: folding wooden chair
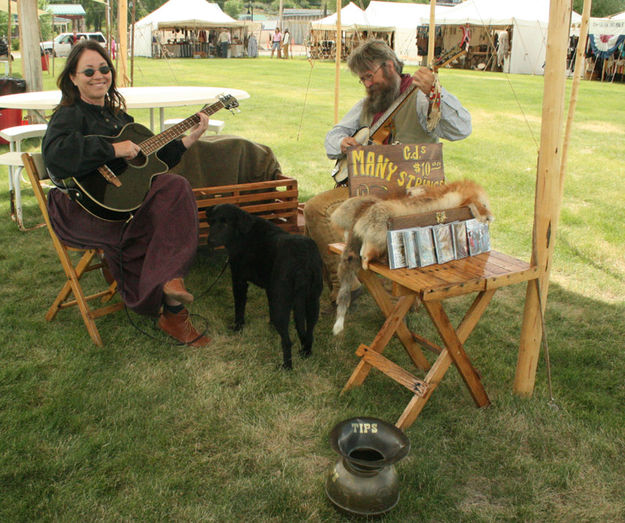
[[72, 292]]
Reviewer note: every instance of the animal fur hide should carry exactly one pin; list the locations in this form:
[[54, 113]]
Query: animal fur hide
[[364, 223]]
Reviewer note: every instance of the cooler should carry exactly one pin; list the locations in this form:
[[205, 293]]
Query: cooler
[[10, 117]]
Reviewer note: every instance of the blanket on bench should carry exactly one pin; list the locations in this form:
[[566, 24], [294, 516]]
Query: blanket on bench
[[227, 160]]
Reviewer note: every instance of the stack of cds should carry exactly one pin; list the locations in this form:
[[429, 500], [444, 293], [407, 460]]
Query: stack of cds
[[423, 246]]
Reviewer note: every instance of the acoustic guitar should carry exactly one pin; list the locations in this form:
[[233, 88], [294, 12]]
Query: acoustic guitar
[[117, 189]]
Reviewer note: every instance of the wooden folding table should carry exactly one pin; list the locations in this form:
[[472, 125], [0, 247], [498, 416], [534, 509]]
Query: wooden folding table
[[483, 274]]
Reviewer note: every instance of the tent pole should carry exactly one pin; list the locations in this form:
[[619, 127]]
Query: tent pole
[[9, 40], [547, 199], [29, 44], [432, 33], [108, 25], [122, 24], [337, 62], [132, 44], [579, 68]]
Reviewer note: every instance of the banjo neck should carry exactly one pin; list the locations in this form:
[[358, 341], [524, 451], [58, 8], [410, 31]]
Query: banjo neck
[[388, 114]]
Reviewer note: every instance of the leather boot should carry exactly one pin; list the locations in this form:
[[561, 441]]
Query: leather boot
[[175, 290], [178, 326]]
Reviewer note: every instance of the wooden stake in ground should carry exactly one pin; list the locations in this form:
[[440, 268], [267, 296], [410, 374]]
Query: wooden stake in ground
[[122, 25], [548, 200], [337, 73], [579, 69], [432, 33]]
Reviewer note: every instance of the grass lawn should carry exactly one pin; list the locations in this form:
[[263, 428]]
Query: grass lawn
[[142, 430]]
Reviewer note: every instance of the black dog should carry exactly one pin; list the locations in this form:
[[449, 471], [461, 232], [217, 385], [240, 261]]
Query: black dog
[[287, 266]]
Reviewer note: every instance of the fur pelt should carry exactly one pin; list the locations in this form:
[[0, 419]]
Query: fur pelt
[[364, 223]]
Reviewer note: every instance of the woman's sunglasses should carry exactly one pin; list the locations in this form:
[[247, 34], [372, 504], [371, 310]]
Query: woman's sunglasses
[[105, 69]]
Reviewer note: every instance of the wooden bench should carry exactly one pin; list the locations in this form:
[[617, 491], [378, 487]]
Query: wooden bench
[[13, 160], [274, 200]]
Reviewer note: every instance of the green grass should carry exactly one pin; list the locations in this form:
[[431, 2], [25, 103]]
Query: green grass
[[141, 430]]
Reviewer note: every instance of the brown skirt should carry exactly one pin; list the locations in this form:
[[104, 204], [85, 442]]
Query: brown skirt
[[158, 244]]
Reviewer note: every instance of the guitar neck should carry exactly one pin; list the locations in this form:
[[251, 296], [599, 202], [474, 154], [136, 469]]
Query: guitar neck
[[158, 141]]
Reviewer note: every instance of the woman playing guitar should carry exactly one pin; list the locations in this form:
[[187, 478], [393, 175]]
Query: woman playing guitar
[[150, 253]]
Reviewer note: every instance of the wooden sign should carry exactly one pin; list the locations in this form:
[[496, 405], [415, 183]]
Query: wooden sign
[[385, 170]]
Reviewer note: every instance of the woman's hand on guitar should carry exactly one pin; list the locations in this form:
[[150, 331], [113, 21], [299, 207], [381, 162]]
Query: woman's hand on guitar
[[423, 79], [126, 150], [196, 131], [347, 142]]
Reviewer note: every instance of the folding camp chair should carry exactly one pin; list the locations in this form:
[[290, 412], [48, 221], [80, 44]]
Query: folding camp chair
[[72, 292]]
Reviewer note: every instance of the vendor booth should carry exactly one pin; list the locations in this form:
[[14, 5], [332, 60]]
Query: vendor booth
[[405, 18], [606, 49], [356, 26], [503, 35], [188, 29]]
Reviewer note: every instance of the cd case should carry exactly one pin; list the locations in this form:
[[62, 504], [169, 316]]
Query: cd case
[[478, 236], [424, 246], [444, 243], [410, 248], [395, 246], [460, 239]]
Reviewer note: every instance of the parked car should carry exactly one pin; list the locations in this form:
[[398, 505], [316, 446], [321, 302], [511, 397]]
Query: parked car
[[63, 42]]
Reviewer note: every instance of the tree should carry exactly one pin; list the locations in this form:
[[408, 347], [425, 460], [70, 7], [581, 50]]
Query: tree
[[601, 8], [233, 8]]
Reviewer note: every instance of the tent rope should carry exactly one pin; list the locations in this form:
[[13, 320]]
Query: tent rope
[[301, 122], [508, 80]]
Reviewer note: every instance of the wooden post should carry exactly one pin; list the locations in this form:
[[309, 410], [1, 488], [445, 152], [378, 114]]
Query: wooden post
[[579, 69], [29, 45], [9, 39], [132, 43], [432, 33], [122, 24], [547, 200], [337, 62]]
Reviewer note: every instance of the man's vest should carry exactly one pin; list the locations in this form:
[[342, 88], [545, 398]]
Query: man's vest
[[405, 125]]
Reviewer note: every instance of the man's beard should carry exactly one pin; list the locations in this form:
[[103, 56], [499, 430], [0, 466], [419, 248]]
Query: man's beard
[[381, 99]]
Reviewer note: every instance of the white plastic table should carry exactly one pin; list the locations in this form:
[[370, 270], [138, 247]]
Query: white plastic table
[[154, 97]]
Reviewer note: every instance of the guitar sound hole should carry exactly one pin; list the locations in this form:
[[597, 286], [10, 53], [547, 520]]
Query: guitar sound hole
[[138, 161]]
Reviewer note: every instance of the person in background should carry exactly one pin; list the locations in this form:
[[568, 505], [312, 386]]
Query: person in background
[[380, 72], [252, 46], [149, 254], [276, 38], [286, 42], [224, 42]]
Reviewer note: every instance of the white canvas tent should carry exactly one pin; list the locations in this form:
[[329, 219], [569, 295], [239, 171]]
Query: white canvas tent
[[182, 14], [528, 21], [405, 18], [619, 16], [354, 21]]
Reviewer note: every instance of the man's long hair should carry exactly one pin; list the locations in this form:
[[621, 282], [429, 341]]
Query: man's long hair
[[370, 54], [69, 92]]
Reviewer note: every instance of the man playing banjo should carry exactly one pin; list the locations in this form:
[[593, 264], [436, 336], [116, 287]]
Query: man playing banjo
[[411, 109]]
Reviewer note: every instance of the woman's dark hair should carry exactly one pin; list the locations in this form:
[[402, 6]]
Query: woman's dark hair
[[69, 92]]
